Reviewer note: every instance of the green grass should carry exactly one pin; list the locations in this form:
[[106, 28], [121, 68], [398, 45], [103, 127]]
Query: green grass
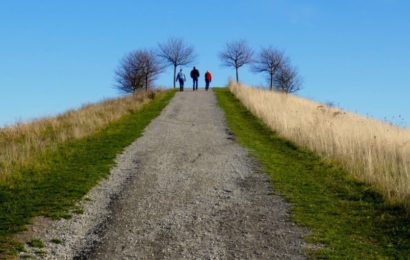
[[349, 217], [56, 241], [57, 180], [36, 243]]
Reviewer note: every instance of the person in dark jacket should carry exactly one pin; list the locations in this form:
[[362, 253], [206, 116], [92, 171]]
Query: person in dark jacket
[[208, 79], [181, 79], [194, 76]]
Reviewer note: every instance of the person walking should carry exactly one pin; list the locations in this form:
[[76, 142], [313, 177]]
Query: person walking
[[208, 79], [181, 79], [195, 75]]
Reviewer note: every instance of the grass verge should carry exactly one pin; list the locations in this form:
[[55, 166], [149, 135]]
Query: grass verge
[[370, 150], [52, 184], [350, 218]]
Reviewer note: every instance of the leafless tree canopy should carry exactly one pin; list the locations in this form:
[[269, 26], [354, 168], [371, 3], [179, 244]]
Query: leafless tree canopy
[[236, 54], [138, 70], [287, 79], [175, 52], [269, 62]]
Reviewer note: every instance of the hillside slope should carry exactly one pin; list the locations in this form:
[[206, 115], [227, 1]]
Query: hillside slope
[[349, 218], [370, 150], [184, 190], [52, 178]]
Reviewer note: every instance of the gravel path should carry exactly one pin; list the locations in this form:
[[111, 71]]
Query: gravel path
[[185, 190]]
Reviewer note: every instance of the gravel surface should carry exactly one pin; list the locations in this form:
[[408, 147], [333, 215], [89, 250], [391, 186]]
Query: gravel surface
[[185, 190]]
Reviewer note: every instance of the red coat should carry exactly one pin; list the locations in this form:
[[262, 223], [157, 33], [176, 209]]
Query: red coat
[[208, 76]]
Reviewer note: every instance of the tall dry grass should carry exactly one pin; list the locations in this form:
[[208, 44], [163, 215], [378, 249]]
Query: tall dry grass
[[23, 142], [373, 151]]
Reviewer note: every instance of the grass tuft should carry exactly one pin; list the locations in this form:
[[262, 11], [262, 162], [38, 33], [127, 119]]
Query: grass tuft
[[41, 253], [36, 243], [56, 241]]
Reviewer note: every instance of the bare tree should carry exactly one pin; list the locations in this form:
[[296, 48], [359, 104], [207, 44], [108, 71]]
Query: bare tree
[[287, 79], [176, 53], [138, 70], [236, 54], [269, 61]]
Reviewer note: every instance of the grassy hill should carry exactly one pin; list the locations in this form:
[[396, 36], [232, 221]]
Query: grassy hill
[[350, 218], [50, 164], [371, 151], [345, 176]]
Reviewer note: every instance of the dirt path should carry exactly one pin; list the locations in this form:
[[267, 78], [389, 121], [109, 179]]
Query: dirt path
[[186, 191]]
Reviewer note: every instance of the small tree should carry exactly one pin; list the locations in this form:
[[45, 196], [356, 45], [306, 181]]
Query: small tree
[[236, 54], [269, 61], [287, 79], [176, 53], [138, 70]]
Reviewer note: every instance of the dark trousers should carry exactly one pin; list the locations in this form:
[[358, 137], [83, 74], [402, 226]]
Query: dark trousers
[[207, 82], [181, 85], [195, 84]]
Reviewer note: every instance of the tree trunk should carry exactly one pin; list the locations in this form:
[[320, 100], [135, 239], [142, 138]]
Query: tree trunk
[[271, 81], [146, 82], [175, 74], [237, 75]]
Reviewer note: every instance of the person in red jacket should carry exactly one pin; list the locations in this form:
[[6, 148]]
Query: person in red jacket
[[208, 79]]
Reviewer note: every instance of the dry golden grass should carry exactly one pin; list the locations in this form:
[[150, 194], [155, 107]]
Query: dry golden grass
[[373, 151], [21, 143]]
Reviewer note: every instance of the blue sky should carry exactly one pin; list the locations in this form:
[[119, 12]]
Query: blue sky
[[56, 55]]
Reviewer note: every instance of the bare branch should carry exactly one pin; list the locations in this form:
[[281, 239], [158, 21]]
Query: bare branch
[[175, 52], [236, 54], [138, 70], [269, 61], [287, 78]]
